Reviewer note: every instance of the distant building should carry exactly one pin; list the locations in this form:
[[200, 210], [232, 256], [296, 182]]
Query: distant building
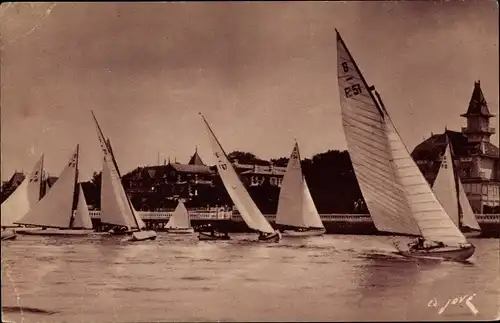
[[257, 175], [170, 180], [477, 159]]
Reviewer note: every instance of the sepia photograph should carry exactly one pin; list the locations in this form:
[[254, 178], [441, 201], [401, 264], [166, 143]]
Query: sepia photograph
[[250, 161]]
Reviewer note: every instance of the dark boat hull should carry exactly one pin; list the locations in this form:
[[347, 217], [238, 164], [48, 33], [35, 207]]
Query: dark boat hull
[[273, 237], [310, 232], [55, 232], [446, 253], [202, 236]]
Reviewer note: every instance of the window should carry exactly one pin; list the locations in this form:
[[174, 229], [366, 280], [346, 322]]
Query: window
[[254, 180], [274, 181]]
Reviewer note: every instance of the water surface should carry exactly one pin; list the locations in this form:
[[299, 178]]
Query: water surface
[[329, 278]]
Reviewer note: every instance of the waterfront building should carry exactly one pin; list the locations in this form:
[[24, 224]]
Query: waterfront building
[[476, 158]]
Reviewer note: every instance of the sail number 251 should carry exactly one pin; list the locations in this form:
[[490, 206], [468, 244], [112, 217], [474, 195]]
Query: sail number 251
[[352, 90]]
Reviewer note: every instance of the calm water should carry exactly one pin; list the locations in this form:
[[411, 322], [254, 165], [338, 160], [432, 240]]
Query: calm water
[[330, 278]]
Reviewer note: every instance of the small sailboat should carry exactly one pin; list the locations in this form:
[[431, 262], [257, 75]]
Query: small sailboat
[[210, 233], [450, 192], [296, 210], [249, 211], [20, 202], [63, 210], [397, 195], [116, 208], [179, 222]]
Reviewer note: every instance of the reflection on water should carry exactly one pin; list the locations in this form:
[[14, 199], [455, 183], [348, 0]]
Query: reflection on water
[[330, 278]]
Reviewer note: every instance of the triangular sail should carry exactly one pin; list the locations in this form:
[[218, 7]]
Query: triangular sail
[[26, 195], [468, 217], [444, 187], [369, 150], [55, 209], [434, 223], [238, 193], [82, 218], [180, 218], [291, 198], [311, 215], [399, 198], [115, 205]]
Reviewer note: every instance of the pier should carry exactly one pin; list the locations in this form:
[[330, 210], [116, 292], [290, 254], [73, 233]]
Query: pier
[[334, 223]]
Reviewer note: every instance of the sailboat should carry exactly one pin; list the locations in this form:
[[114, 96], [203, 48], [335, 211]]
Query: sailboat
[[20, 202], [397, 195], [450, 192], [116, 208], [249, 211], [296, 207], [179, 222], [63, 209]]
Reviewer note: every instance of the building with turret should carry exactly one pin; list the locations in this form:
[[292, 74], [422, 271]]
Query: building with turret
[[475, 157]]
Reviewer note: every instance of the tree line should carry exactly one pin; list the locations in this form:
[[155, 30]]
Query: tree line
[[329, 175]]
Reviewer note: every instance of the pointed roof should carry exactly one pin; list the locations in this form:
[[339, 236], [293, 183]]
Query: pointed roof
[[477, 104], [195, 159]]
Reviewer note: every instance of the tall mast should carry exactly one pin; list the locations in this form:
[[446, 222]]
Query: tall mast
[[76, 189]]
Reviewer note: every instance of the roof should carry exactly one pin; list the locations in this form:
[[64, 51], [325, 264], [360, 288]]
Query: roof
[[265, 170], [196, 159], [191, 168], [432, 148], [477, 104]]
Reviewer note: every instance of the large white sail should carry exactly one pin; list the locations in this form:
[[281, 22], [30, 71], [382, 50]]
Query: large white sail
[[55, 209], [392, 184], [26, 195], [115, 206], [82, 217], [468, 217], [238, 193], [291, 198], [180, 218], [311, 215], [434, 223], [369, 150], [444, 186]]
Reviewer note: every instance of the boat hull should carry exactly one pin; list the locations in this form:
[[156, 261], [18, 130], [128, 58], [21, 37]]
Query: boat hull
[[273, 237], [307, 233], [55, 232], [446, 253], [181, 230], [202, 236], [472, 234], [8, 235], [141, 235]]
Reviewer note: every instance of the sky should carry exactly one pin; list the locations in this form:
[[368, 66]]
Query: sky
[[263, 74]]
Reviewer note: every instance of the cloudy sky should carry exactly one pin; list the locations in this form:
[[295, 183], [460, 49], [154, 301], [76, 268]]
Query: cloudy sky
[[262, 74]]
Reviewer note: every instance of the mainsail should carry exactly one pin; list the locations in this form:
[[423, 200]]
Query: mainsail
[[295, 205], [238, 193], [450, 192], [397, 195], [311, 215], [444, 186], [82, 217], [55, 209], [116, 208], [290, 202], [26, 195], [180, 218]]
